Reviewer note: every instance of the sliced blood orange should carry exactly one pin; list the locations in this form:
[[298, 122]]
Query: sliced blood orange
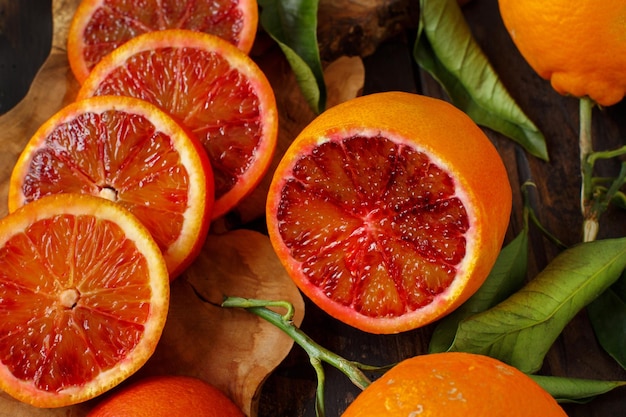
[[84, 294], [389, 210], [212, 88], [100, 26], [130, 152]]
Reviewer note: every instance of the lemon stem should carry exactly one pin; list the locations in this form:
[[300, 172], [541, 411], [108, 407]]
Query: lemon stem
[[317, 354]]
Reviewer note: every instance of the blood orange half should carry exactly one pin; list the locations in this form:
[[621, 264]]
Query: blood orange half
[[212, 88], [130, 152], [100, 26], [389, 210], [84, 295]]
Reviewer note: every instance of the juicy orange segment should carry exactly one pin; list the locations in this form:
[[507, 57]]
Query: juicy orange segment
[[210, 87], [100, 26], [130, 152], [84, 294], [382, 218]]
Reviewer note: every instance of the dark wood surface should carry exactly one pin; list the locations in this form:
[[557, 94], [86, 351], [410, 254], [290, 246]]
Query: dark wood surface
[[25, 32]]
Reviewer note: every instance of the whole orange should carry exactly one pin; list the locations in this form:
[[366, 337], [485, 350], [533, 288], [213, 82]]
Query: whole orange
[[579, 46], [389, 210], [454, 384], [167, 396]]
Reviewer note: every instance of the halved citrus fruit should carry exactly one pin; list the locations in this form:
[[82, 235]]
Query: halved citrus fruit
[[84, 295], [212, 88], [130, 152], [167, 396], [454, 384], [100, 26], [389, 210]]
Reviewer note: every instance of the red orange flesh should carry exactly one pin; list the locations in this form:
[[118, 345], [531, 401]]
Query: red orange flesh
[[130, 152], [84, 294], [212, 89], [100, 26], [388, 211]]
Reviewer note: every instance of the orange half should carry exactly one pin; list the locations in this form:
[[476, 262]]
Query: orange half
[[130, 152], [389, 210], [84, 295], [100, 26], [212, 89]]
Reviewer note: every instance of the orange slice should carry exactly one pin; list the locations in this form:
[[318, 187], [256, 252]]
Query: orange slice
[[100, 26], [212, 88], [130, 152], [84, 294], [389, 210]]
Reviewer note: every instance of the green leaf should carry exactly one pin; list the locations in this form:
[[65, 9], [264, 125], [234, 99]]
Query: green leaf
[[575, 390], [293, 25], [446, 48], [608, 318], [521, 329], [507, 276]]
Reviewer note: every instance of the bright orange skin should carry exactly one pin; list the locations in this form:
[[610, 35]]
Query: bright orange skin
[[84, 296], [454, 384], [100, 26], [167, 396], [450, 138], [579, 46]]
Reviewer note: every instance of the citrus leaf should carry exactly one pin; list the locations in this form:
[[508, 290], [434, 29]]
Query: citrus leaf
[[608, 317], [446, 48], [575, 390], [506, 277], [293, 25], [521, 329]]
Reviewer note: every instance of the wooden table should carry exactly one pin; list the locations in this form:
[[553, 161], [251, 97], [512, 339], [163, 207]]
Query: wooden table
[[289, 391]]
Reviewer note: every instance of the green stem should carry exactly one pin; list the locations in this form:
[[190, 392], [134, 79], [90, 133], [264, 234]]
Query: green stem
[[590, 219], [594, 199], [603, 198], [594, 156], [529, 213], [317, 354]]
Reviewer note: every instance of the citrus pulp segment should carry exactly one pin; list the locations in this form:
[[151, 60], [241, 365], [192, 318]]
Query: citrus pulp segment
[[100, 26], [454, 384], [213, 89], [130, 152], [389, 210], [84, 295]]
